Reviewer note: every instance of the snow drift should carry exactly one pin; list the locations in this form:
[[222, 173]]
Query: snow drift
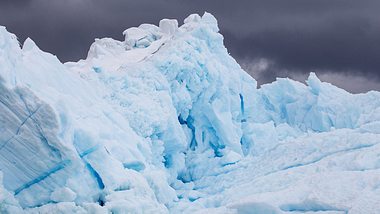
[[167, 121]]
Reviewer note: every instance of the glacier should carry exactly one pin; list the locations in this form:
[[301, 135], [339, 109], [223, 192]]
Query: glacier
[[167, 121]]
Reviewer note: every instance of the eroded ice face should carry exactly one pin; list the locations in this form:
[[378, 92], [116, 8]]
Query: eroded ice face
[[167, 121]]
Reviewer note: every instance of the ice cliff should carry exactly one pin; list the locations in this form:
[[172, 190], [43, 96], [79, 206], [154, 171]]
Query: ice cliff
[[167, 122]]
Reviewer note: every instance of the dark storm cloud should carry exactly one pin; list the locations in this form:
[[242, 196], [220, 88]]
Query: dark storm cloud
[[296, 36], [344, 37]]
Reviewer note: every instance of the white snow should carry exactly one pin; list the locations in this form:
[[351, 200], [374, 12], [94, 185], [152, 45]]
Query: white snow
[[63, 194], [167, 121], [168, 26]]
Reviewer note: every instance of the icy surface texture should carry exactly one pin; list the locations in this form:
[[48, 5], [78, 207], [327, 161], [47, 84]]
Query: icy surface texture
[[167, 121]]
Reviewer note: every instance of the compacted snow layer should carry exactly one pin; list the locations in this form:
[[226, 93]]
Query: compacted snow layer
[[167, 122]]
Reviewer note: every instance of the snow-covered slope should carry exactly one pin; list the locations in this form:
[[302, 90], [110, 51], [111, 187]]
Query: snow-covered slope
[[167, 121]]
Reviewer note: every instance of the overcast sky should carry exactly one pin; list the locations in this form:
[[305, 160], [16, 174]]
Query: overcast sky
[[337, 39]]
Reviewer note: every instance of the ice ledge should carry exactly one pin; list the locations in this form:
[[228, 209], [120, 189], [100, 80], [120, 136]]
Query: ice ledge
[[145, 35], [146, 40]]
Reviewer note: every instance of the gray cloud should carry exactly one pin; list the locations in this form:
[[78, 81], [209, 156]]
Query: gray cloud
[[265, 71], [331, 37]]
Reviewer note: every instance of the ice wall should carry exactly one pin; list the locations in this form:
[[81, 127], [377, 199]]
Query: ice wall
[[163, 121]]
